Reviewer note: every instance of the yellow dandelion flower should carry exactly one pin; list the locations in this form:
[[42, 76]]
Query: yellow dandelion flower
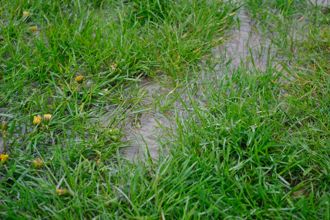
[[62, 192], [4, 158], [47, 117], [26, 14], [79, 78], [37, 163], [37, 120], [33, 28]]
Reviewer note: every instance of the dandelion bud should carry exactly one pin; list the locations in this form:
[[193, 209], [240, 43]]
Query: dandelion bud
[[4, 158], [26, 14], [79, 78], [37, 120], [113, 66], [38, 163], [62, 192], [47, 117], [33, 28]]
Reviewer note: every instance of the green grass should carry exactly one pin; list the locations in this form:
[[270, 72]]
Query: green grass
[[258, 149]]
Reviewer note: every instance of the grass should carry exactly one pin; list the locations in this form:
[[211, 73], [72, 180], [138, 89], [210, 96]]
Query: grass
[[258, 148]]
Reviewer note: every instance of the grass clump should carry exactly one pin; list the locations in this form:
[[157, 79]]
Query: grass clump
[[151, 10]]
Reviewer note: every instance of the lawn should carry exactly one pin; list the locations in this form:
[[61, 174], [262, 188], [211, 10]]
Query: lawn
[[253, 144]]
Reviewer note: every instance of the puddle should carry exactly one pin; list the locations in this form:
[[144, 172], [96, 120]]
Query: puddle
[[245, 47], [323, 3], [145, 138], [144, 133]]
